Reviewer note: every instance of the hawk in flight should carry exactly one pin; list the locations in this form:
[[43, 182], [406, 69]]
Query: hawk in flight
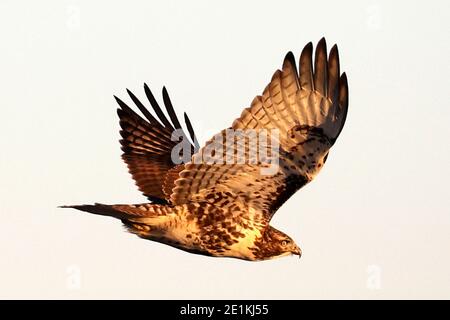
[[224, 209]]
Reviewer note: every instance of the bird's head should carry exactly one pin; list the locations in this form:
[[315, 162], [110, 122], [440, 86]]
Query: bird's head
[[274, 244]]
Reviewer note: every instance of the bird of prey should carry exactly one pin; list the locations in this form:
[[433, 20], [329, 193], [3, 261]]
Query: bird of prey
[[224, 209]]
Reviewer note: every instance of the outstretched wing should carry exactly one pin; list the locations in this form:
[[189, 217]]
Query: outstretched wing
[[147, 145], [306, 109]]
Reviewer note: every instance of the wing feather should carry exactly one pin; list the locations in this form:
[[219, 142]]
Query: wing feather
[[321, 68], [333, 73], [147, 145], [306, 68], [307, 110]]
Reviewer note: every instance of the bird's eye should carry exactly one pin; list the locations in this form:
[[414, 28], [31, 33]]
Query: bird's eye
[[284, 243]]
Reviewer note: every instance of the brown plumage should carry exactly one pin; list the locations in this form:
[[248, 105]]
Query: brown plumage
[[224, 209]]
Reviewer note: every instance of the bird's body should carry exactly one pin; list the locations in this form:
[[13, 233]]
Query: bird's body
[[196, 227], [223, 208]]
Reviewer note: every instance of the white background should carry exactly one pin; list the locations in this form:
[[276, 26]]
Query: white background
[[374, 224]]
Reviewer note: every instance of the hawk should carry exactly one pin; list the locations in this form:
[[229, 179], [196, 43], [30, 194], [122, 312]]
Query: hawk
[[224, 209]]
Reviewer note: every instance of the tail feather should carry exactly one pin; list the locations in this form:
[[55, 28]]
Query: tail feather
[[143, 220], [143, 213], [101, 209]]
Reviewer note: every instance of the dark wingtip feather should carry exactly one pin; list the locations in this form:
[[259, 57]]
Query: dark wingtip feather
[[289, 57], [289, 61], [333, 73], [133, 97], [307, 52], [321, 68], [170, 110], [191, 132], [141, 107], [305, 67], [321, 45], [343, 101], [334, 48], [334, 53], [122, 104], [308, 47], [156, 107], [343, 90], [126, 112]]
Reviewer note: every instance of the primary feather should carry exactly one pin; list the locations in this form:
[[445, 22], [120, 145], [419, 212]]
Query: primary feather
[[224, 209]]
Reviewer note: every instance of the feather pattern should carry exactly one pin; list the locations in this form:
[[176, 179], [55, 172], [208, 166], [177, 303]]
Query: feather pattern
[[147, 145], [308, 120], [223, 208]]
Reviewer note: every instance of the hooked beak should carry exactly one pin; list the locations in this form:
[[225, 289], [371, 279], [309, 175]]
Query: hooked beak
[[297, 251]]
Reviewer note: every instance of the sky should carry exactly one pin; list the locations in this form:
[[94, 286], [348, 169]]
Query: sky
[[375, 222]]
